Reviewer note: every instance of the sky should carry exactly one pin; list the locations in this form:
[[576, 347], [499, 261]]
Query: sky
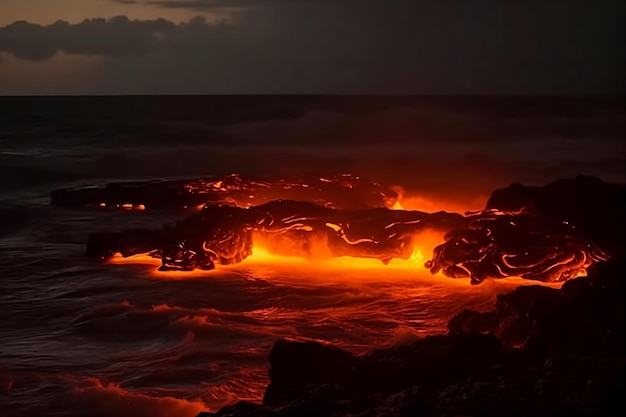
[[543, 47]]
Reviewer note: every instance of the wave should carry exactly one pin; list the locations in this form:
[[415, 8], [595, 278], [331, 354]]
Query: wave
[[67, 395], [436, 146], [18, 178], [99, 399], [84, 342], [14, 219]]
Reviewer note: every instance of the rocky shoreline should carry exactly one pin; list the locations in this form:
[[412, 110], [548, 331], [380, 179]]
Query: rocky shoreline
[[539, 352]]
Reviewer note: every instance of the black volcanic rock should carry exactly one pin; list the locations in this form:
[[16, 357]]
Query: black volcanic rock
[[592, 318], [585, 316], [557, 352], [241, 409], [550, 233], [220, 235], [296, 366], [559, 234], [520, 312], [496, 245], [540, 352], [595, 207], [313, 379], [343, 191], [470, 321]]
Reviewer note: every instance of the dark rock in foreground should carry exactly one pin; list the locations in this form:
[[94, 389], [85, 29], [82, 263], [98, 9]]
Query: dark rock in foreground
[[541, 352]]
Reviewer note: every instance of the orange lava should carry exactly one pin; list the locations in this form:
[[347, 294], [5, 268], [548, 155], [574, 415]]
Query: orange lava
[[320, 259], [408, 201], [326, 267], [275, 252]]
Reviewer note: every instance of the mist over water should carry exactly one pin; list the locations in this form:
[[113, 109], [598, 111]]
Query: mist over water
[[79, 337]]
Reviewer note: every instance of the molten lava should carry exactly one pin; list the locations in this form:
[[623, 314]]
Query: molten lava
[[225, 235], [520, 234], [497, 245], [487, 244], [343, 191]]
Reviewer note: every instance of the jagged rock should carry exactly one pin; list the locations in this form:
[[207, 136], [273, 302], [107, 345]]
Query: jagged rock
[[306, 375], [481, 246], [592, 205], [319, 401], [522, 311], [537, 244], [498, 245], [546, 352], [592, 317], [295, 367], [470, 321], [548, 233], [453, 358], [225, 235], [241, 409], [584, 315], [516, 317], [587, 316], [344, 191], [566, 356]]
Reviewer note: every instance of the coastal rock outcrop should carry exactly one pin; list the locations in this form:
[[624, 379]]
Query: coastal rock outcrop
[[343, 191], [519, 234], [541, 351], [595, 207]]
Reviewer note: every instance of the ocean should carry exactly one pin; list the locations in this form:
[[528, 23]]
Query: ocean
[[80, 337]]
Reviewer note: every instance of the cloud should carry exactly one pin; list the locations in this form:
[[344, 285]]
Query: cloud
[[116, 36], [351, 46], [202, 4]]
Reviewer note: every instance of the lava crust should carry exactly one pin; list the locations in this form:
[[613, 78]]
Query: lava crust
[[344, 191], [520, 233]]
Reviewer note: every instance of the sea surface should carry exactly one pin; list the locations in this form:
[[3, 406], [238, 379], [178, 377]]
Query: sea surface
[[79, 337]]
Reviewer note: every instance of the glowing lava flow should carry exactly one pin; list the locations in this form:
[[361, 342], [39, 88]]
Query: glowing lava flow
[[321, 260], [225, 235], [420, 202], [339, 270], [496, 245], [262, 256], [344, 216], [482, 245]]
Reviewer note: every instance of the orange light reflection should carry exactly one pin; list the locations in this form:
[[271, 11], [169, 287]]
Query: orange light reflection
[[427, 204], [343, 268]]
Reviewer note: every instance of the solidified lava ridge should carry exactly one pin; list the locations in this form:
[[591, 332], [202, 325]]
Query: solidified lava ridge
[[349, 216]]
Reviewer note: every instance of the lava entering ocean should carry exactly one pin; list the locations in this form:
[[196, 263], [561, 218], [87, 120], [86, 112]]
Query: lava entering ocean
[[342, 216]]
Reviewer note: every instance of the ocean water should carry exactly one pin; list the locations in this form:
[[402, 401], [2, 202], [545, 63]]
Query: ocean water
[[78, 337]]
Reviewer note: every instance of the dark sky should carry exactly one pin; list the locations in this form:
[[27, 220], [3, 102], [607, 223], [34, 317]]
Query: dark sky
[[312, 46]]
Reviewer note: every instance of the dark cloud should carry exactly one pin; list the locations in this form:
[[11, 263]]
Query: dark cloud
[[116, 36], [354, 46], [211, 5], [203, 4]]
